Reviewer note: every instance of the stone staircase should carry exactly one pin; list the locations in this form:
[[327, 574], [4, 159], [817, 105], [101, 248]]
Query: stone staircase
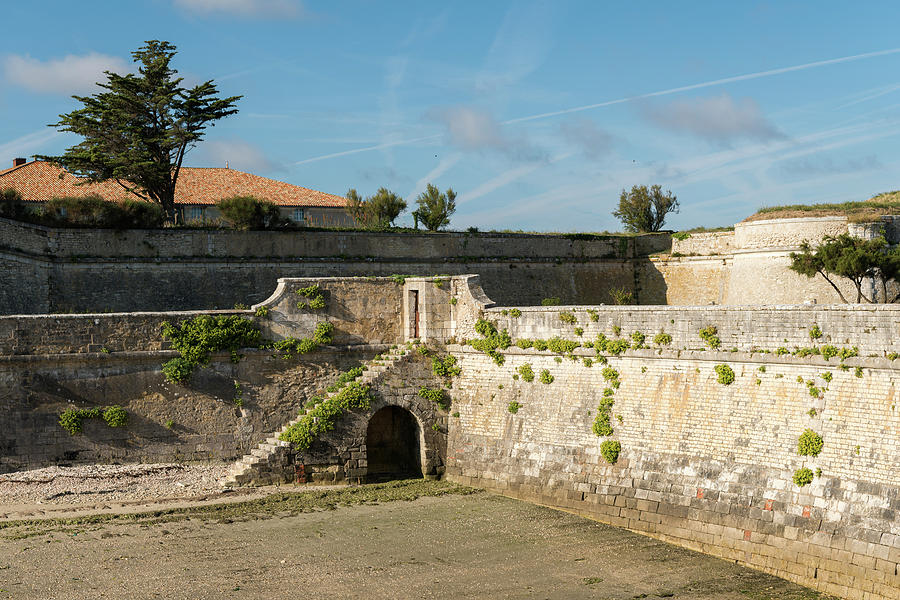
[[266, 464]]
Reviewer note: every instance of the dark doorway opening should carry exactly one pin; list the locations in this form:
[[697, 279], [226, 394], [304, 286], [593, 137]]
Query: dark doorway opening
[[392, 445]]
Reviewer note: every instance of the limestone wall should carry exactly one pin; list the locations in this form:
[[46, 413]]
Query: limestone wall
[[707, 243], [221, 413], [873, 329], [702, 465], [175, 269]]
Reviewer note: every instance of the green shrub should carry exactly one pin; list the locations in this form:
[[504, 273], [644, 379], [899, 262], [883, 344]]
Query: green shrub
[[858, 372], [524, 343], [315, 299], [492, 341], [195, 339], [810, 443], [781, 350], [803, 477], [526, 372], [709, 335], [513, 407], [446, 367], [609, 374], [579, 331], [178, 370], [546, 377], [72, 419], [249, 212], [558, 345], [587, 362], [550, 301], [115, 416], [262, 312], [345, 378], [637, 340], [594, 315], [621, 296], [12, 206], [725, 374], [453, 301], [438, 396], [94, 211], [846, 353], [515, 313], [662, 339], [567, 317], [814, 332], [610, 450], [540, 345], [829, 351], [288, 347]]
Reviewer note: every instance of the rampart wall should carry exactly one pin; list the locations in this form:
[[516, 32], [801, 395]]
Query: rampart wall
[[69, 270], [703, 464]]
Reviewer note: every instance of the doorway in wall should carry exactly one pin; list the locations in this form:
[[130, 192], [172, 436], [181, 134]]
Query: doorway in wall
[[392, 445]]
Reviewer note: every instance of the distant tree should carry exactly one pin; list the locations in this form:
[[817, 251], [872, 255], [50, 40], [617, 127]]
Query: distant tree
[[853, 258], [435, 208], [379, 210], [644, 209], [137, 132]]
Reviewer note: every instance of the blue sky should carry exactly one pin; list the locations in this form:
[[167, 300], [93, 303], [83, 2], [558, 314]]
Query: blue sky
[[536, 113]]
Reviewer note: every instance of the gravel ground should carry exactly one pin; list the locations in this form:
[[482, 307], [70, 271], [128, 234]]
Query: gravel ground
[[90, 484]]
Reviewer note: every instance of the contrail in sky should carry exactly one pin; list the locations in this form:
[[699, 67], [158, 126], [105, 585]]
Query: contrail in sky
[[706, 84], [676, 90]]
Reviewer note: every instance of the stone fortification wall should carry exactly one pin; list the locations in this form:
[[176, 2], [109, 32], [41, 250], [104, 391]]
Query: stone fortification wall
[[220, 414], [74, 270], [786, 233], [713, 242], [703, 465], [873, 329], [363, 310]]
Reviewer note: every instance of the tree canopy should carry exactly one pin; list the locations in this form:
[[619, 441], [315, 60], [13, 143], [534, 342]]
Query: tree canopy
[[435, 208], [139, 129], [378, 210], [644, 209], [853, 258]]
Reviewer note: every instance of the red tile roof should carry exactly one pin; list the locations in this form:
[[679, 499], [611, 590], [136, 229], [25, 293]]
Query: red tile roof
[[39, 181]]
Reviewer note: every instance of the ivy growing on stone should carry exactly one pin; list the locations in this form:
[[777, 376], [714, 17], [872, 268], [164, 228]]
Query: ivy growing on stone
[[195, 339], [725, 375], [314, 298], [803, 477], [662, 339], [546, 377], [72, 419], [491, 341], [810, 443], [567, 317], [324, 416], [709, 335], [445, 367], [610, 450], [438, 396], [513, 407], [526, 372]]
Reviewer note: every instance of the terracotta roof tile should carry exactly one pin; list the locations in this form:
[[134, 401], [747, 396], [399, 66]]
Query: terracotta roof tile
[[39, 181]]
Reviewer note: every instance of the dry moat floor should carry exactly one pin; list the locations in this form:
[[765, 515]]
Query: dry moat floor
[[412, 539]]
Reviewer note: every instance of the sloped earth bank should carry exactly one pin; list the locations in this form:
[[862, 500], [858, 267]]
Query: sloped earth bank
[[411, 539]]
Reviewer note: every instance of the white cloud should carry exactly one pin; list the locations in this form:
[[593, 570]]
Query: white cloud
[[69, 75], [470, 128], [239, 155], [585, 134], [719, 119], [244, 8]]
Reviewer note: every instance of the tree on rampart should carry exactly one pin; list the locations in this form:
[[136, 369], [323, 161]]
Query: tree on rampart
[[137, 132], [644, 209], [379, 210], [435, 208], [853, 258]]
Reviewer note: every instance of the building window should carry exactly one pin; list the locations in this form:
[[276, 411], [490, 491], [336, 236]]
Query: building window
[[196, 213], [297, 215]]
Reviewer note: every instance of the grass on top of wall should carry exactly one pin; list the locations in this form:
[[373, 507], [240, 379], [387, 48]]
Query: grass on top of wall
[[887, 203]]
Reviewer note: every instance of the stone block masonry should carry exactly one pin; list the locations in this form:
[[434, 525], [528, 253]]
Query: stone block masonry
[[219, 414], [75, 270], [703, 465], [873, 328]]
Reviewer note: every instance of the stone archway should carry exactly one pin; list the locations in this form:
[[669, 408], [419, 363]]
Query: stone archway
[[393, 445]]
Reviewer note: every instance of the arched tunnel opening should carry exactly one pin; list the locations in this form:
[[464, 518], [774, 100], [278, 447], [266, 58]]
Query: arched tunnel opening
[[392, 445]]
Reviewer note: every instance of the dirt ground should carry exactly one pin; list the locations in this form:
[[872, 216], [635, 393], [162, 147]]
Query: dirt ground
[[416, 539]]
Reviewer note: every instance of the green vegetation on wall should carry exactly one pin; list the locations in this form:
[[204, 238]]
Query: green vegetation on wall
[[72, 419], [323, 417]]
